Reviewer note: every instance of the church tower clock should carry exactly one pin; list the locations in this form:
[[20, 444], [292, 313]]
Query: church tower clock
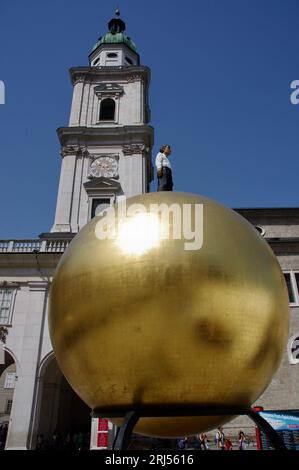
[[106, 148]]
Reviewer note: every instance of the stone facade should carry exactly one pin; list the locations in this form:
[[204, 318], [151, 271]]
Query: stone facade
[[121, 151]]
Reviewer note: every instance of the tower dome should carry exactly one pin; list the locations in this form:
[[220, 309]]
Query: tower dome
[[116, 45]]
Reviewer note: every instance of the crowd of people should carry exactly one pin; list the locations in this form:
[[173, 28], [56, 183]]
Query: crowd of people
[[81, 441], [221, 442], [69, 441]]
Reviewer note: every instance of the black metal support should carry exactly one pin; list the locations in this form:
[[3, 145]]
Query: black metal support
[[132, 416], [124, 433]]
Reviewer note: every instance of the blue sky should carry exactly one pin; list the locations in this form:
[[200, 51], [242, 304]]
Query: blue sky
[[220, 95]]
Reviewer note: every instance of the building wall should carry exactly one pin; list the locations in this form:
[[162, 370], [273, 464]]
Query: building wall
[[282, 393]]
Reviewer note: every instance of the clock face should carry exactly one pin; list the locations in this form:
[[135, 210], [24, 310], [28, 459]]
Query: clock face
[[104, 166]]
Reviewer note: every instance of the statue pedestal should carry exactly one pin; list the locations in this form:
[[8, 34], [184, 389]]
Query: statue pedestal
[[131, 417]]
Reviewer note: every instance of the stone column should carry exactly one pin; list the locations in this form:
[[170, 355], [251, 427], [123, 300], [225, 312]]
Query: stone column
[[26, 385], [77, 101], [62, 221]]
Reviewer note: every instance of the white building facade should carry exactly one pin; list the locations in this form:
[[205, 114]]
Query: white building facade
[[106, 156]]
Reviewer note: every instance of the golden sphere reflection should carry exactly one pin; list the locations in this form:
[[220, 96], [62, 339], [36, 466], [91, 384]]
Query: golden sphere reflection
[[143, 318]]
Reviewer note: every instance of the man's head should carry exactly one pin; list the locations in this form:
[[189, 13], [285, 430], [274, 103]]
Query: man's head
[[165, 149]]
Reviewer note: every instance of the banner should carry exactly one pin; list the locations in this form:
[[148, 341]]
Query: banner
[[286, 424]]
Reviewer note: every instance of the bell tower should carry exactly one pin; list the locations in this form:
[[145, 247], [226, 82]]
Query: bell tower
[[106, 148]]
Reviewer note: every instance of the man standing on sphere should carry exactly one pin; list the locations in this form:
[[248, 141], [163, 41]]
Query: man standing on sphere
[[163, 166]]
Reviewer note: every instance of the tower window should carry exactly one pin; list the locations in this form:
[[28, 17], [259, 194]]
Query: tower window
[[129, 60], [96, 61], [112, 55], [98, 205], [107, 110], [292, 282], [288, 280]]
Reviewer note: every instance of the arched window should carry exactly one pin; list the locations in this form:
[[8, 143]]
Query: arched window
[[260, 229], [293, 350], [107, 110], [112, 55]]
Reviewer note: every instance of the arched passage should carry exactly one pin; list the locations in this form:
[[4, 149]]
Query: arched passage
[[8, 371], [59, 410]]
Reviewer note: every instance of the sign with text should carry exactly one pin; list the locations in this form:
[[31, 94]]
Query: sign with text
[[100, 429], [286, 424]]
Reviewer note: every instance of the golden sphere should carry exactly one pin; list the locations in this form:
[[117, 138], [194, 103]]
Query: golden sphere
[[139, 318]]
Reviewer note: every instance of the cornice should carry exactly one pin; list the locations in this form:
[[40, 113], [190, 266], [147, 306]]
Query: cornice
[[273, 212], [284, 246], [80, 137], [118, 73], [103, 184], [28, 260]]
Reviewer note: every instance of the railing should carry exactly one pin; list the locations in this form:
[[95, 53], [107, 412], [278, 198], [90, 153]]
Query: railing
[[30, 246], [56, 246]]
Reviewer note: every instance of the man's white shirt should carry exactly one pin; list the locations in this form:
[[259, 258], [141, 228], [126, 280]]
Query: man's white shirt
[[162, 160]]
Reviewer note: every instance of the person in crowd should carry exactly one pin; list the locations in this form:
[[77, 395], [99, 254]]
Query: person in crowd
[[242, 441], [68, 442], [228, 444], [182, 443], [79, 442], [220, 438], [55, 442], [40, 443], [203, 441]]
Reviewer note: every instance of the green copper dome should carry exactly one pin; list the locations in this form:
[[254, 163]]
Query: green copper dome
[[116, 38], [116, 34]]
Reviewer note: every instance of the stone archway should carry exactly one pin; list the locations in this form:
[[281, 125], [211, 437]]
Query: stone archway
[[59, 408]]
